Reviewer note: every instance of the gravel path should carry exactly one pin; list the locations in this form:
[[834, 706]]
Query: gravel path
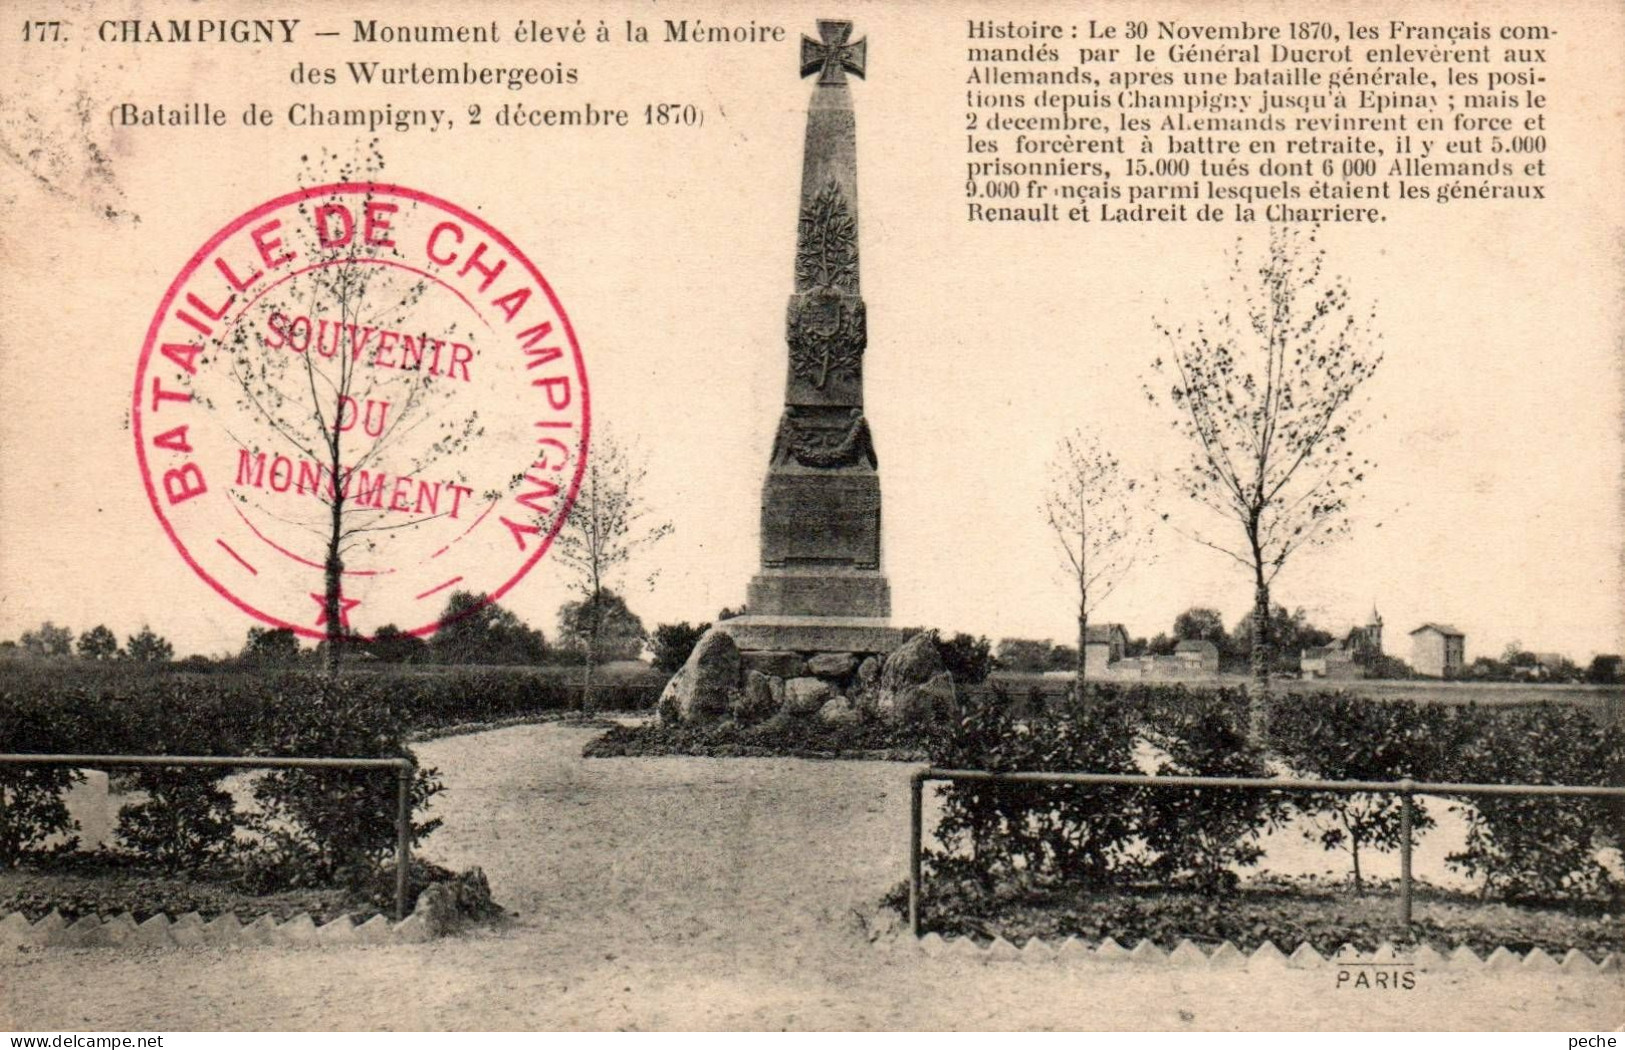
[[712, 894]]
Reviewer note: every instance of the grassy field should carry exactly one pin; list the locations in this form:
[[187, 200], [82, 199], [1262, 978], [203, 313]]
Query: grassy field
[[1607, 701]]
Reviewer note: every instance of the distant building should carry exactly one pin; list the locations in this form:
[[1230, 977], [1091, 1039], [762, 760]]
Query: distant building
[[1333, 660], [1164, 668], [1104, 645], [1553, 665], [1366, 642], [1438, 650], [1344, 657], [1197, 655]]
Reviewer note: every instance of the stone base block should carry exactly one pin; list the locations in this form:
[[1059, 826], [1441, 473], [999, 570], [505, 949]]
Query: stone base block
[[833, 592], [774, 664], [813, 634]]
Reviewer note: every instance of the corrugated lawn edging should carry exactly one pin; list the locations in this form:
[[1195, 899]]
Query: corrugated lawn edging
[[1387, 958], [1284, 912]]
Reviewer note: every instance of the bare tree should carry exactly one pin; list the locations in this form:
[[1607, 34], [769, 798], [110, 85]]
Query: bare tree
[[310, 387], [609, 524], [1094, 508], [1264, 389]]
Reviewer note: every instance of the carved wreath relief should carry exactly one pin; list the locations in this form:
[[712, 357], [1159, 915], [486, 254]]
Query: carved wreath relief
[[844, 445]]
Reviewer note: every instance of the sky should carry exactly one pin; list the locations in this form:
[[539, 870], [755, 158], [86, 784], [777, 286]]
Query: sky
[[1495, 417]]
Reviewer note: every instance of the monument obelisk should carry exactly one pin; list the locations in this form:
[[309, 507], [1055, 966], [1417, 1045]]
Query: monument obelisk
[[820, 587]]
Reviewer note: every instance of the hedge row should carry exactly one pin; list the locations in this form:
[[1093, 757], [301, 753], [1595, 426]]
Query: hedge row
[[425, 697], [1014, 837], [306, 828]]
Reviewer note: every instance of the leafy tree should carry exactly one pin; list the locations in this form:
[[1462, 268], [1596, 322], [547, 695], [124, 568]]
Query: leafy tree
[[1092, 507], [968, 659], [1201, 624], [48, 640], [1291, 633], [673, 642], [393, 645], [1162, 645], [1307, 635], [147, 647], [270, 646], [1266, 391], [99, 643], [1026, 654], [609, 524], [1605, 669], [475, 630], [1515, 655], [1562, 670], [606, 623]]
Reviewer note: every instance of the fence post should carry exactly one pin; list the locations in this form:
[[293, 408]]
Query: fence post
[[403, 833], [916, 788], [1405, 821]]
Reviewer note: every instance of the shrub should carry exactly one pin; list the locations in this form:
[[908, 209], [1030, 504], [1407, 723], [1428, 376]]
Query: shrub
[[1034, 834], [188, 822], [327, 826], [1382, 665], [673, 642], [32, 811], [1540, 848], [1341, 737], [317, 825], [1197, 835], [782, 735]]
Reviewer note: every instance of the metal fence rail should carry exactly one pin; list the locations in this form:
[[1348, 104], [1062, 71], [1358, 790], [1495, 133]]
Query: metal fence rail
[[405, 769], [1403, 788]]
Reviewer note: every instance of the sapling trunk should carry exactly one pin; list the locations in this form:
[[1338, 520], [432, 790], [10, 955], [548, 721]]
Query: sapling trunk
[[1081, 663]]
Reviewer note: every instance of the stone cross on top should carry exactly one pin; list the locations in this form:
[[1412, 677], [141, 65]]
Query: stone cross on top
[[834, 57]]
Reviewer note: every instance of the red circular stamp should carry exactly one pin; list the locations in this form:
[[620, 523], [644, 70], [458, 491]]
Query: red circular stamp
[[368, 378]]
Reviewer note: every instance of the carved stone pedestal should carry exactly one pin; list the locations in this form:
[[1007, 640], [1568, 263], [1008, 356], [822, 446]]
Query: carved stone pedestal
[[806, 635]]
